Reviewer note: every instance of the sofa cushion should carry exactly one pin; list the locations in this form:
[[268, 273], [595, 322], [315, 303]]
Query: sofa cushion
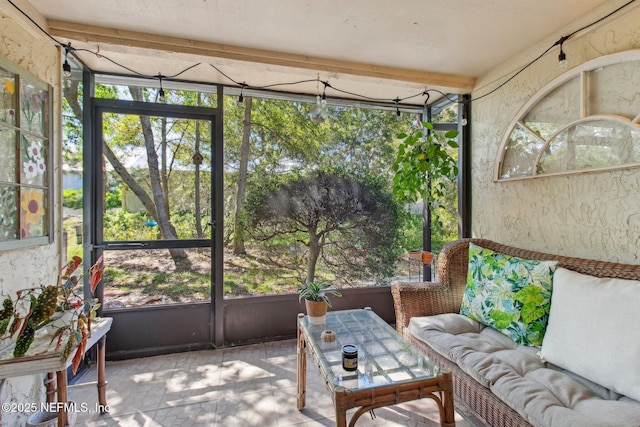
[[593, 330], [542, 393], [552, 397], [483, 353], [510, 294]]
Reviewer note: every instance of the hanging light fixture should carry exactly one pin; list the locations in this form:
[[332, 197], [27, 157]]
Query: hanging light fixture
[[319, 112], [562, 57], [161, 94], [241, 97], [66, 67]]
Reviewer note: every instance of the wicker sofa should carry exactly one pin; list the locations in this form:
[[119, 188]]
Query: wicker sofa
[[424, 312]]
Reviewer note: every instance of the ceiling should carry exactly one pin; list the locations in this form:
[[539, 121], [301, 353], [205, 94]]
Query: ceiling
[[375, 48]]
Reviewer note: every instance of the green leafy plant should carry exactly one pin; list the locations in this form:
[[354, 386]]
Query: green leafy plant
[[421, 162], [37, 307], [317, 291], [113, 198], [72, 198]]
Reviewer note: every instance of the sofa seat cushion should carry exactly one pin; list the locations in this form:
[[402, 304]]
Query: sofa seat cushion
[[482, 352], [542, 393]]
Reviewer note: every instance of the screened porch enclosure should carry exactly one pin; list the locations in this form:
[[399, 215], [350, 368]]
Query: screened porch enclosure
[[185, 267]]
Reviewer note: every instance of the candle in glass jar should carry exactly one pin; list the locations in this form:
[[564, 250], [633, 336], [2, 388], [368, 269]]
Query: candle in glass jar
[[349, 357]]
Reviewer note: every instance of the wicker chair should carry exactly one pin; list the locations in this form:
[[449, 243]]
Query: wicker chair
[[431, 298]]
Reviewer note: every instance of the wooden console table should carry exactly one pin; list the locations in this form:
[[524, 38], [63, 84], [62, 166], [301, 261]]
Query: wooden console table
[[51, 363]]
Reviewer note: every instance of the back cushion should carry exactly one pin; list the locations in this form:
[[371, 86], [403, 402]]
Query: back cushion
[[594, 330], [509, 294]]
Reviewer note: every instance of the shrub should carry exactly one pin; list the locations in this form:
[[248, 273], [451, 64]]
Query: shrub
[[72, 199], [113, 199]]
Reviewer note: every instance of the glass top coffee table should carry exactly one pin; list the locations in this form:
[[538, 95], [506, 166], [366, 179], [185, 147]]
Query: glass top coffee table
[[390, 370]]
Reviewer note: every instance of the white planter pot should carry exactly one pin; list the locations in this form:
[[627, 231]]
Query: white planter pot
[[317, 312], [50, 419], [317, 320], [61, 320], [43, 419]]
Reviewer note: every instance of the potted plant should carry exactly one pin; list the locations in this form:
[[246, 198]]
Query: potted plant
[[422, 161], [423, 165], [421, 256], [57, 309], [316, 299]]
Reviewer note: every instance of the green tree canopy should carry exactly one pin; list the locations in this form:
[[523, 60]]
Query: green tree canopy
[[349, 223]]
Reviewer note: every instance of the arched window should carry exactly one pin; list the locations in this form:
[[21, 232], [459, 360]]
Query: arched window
[[587, 119]]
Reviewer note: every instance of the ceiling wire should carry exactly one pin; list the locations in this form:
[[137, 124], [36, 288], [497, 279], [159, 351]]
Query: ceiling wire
[[244, 85], [560, 41]]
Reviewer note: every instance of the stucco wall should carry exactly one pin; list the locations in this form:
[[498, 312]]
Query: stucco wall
[[19, 269], [593, 215]]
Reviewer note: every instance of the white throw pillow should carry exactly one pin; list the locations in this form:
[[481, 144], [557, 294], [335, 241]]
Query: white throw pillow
[[594, 330]]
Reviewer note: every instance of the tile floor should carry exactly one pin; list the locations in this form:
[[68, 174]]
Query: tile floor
[[242, 386]]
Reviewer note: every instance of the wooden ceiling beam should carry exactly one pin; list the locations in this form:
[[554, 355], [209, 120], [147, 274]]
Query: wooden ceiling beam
[[96, 34]]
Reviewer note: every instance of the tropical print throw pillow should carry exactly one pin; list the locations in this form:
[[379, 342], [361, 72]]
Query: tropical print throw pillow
[[510, 294]]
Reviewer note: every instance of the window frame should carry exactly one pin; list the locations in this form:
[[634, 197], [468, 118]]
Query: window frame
[[20, 77], [581, 72]]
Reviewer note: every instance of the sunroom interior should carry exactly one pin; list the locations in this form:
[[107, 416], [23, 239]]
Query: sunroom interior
[[522, 86]]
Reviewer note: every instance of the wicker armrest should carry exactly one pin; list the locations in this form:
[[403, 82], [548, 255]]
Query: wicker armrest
[[430, 298], [420, 299]]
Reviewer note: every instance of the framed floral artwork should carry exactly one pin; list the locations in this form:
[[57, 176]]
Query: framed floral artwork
[[7, 99], [25, 161]]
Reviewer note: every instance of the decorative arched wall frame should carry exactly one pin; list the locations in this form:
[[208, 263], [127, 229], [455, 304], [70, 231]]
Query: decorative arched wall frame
[[587, 119]]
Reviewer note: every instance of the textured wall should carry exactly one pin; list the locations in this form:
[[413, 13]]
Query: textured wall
[[592, 215], [25, 268]]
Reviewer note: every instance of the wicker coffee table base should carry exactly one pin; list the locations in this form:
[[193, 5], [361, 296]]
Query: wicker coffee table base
[[439, 389]]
